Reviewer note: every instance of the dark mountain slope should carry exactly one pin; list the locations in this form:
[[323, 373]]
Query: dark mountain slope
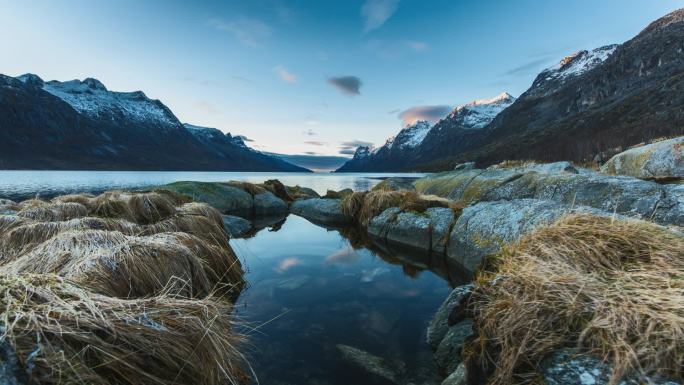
[[80, 125]]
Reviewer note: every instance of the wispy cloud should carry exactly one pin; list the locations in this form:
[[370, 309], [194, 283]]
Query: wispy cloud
[[349, 147], [315, 143], [310, 132], [310, 153], [248, 31], [284, 74], [242, 79], [288, 263], [429, 113], [531, 67], [349, 85], [376, 12]]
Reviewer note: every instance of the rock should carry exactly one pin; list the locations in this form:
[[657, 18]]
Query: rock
[[458, 377], [484, 227], [439, 324], [332, 194], [448, 353], [568, 367], [324, 211], [464, 166], [660, 160], [623, 195], [428, 231], [278, 189], [441, 221], [298, 192], [11, 370], [374, 365], [545, 168], [227, 199], [395, 184], [236, 226], [267, 204]]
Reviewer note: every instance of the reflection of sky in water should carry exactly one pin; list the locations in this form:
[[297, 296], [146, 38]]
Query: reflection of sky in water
[[23, 184], [310, 291]]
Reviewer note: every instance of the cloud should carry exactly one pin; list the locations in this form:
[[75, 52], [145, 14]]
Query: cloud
[[202, 82], [376, 12], [531, 67], [242, 78], [315, 143], [349, 147], [343, 256], [288, 263], [417, 46], [429, 113], [395, 111], [312, 122], [310, 132], [244, 138], [349, 85], [310, 153], [284, 74], [248, 31]]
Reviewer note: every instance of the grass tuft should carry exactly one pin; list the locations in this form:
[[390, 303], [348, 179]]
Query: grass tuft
[[612, 288]]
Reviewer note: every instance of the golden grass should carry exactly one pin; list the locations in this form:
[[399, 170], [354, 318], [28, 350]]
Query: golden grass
[[612, 288], [364, 206], [251, 188], [68, 335], [514, 163]]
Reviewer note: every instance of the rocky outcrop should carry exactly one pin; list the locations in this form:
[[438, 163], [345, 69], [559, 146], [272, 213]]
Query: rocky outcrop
[[323, 211], [616, 194], [267, 204], [223, 197], [439, 325], [483, 228], [662, 160], [428, 231]]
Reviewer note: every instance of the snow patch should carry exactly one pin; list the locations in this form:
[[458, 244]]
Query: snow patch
[[579, 63], [479, 113]]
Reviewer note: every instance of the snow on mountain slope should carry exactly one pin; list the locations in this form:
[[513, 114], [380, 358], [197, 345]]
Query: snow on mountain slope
[[412, 135], [90, 97], [209, 134], [479, 113]]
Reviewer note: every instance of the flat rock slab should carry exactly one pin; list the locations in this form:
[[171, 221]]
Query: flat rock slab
[[235, 226], [660, 160], [322, 211], [428, 231]]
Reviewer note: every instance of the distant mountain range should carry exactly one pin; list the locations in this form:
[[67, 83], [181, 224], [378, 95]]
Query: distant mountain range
[[584, 108], [80, 125], [317, 163]]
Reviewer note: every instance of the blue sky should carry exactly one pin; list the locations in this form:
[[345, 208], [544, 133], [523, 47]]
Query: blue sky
[[317, 77]]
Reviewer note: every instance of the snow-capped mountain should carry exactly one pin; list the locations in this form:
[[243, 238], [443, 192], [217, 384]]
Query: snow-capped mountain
[[81, 125], [90, 97], [407, 145], [479, 113], [569, 67]]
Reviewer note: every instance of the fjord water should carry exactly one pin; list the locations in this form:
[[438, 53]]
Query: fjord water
[[311, 291], [27, 184]]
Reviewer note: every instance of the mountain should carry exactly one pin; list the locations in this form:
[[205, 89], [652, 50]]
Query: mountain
[[80, 125], [589, 105], [316, 163], [421, 141]]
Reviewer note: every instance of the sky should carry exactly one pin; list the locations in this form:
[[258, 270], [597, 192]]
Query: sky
[[316, 77]]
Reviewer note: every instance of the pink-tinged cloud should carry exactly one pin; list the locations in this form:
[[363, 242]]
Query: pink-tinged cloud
[[287, 264], [430, 113]]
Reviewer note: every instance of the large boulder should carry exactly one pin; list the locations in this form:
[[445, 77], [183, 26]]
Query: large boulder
[[486, 226], [428, 231], [227, 199], [458, 377], [375, 366], [267, 204], [323, 211], [395, 184], [439, 324], [568, 367], [660, 160]]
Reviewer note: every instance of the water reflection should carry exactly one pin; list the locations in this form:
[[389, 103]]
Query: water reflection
[[25, 184], [314, 291]]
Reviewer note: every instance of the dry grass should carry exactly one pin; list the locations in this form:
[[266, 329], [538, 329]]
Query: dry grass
[[251, 188], [63, 334], [514, 163], [611, 288], [366, 205]]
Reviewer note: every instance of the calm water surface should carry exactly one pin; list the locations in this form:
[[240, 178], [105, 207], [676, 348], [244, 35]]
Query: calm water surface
[[25, 184], [311, 291]]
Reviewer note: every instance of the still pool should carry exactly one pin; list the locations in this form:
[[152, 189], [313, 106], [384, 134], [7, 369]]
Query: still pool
[[313, 298]]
